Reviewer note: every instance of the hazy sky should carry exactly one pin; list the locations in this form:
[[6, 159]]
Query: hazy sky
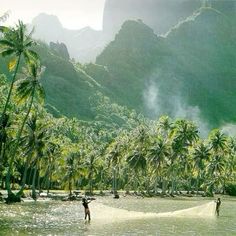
[[73, 14]]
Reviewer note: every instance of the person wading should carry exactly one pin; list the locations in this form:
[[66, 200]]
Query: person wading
[[218, 203], [86, 208]]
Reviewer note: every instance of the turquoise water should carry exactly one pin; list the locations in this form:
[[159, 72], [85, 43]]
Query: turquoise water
[[113, 217]]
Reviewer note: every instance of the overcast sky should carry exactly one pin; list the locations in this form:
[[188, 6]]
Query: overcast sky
[[73, 14]]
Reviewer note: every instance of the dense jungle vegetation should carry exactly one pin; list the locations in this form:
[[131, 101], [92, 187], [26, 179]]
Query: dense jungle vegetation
[[118, 149]]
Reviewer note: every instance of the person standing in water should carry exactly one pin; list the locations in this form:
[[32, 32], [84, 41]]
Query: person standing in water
[[218, 203], [86, 208]]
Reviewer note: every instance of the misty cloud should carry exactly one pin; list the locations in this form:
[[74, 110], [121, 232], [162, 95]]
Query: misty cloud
[[157, 102], [229, 129]]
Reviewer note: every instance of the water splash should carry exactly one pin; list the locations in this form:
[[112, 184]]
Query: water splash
[[108, 214]]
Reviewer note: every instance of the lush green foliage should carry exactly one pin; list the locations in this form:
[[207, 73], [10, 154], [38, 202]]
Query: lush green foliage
[[152, 74], [121, 146], [111, 146], [181, 67], [231, 189]]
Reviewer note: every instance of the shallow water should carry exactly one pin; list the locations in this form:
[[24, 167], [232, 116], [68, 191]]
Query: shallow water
[[125, 216]]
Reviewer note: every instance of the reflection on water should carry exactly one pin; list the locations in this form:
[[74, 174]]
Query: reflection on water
[[126, 216]]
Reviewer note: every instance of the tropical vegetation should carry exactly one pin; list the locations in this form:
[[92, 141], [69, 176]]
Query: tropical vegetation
[[118, 150]]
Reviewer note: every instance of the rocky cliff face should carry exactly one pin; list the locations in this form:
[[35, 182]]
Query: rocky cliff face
[[60, 49]]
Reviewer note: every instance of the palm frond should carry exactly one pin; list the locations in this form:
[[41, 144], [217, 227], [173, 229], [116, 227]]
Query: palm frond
[[41, 93], [4, 29], [30, 43], [6, 43], [27, 58], [7, 52], [21, 30], [33, 55], [23, 89], [32, 70]]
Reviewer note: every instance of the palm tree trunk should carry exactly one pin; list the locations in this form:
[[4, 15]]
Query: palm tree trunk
[[173, 186], [13, 152], [33, 182], [49, 183], [11, 87], [164, 182], [24, 177], [114, 180], [156, 179], [197, 183], [91, 185], [5, 109], [49, 178], [147, 185], [189, 184], [2, 152], [39, 184], [1, 161], [70, 185], [49, 175]]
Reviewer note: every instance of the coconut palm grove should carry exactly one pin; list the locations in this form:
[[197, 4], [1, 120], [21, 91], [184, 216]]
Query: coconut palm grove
[[108, 131]]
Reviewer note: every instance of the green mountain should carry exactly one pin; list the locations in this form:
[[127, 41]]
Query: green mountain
[[129, 59], [68, 88], [193, 64], [189, 72], [204, 47]]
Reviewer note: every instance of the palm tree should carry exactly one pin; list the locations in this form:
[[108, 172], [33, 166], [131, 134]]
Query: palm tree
[[137, 152], [158, 154], [216, 166], [5, 119], [28, 88], [231, 162], [185, 132], [164, 126], [183, 135], [71, 170], [4, 123], [91, 162], [113, 161], [53, 150], [218, 141], [137, 162], [200, 155], [37, 138], [16, 43]]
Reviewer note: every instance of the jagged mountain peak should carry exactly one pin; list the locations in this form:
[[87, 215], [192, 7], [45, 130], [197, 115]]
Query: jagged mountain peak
[[44, 19]]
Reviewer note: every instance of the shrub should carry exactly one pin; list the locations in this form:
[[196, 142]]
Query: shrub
[[230, 189]]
